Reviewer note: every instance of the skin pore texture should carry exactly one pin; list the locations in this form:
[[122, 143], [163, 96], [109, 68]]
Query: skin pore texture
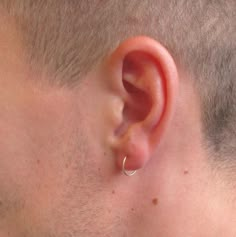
[[62, 150]]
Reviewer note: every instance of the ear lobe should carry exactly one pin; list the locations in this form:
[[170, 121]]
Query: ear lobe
[[147, 81]]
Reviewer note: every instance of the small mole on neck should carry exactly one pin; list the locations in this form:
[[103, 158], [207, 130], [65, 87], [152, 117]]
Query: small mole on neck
[[155, 201], [186, 172]]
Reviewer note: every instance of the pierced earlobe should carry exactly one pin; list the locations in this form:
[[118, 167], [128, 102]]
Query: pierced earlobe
[[125, 172]]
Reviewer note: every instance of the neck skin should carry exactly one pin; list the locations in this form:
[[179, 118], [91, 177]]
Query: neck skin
[[187, 184]]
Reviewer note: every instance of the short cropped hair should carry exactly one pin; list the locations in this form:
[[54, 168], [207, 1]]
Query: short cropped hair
[[68, 37]]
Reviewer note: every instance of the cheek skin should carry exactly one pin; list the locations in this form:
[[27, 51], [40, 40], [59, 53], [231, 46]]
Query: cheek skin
[[30, 137], [57, 178]]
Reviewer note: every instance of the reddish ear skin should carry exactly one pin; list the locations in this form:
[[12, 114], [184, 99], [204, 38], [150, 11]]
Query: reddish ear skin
[[136, 150], [145, 76]]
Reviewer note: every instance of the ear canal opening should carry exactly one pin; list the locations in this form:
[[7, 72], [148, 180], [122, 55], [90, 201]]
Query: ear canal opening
[[130, 88], [136, 108], [139, 104]]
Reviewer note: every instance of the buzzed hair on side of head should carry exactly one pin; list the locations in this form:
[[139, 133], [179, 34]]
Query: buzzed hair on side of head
[[68, 37]]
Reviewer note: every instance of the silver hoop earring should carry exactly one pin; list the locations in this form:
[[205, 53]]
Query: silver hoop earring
[[125, 172]]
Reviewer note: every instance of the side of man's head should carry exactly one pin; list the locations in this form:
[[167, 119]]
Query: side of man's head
[[81, 90]]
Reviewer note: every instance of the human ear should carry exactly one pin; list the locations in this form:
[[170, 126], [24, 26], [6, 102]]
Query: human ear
[[144, 76]]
